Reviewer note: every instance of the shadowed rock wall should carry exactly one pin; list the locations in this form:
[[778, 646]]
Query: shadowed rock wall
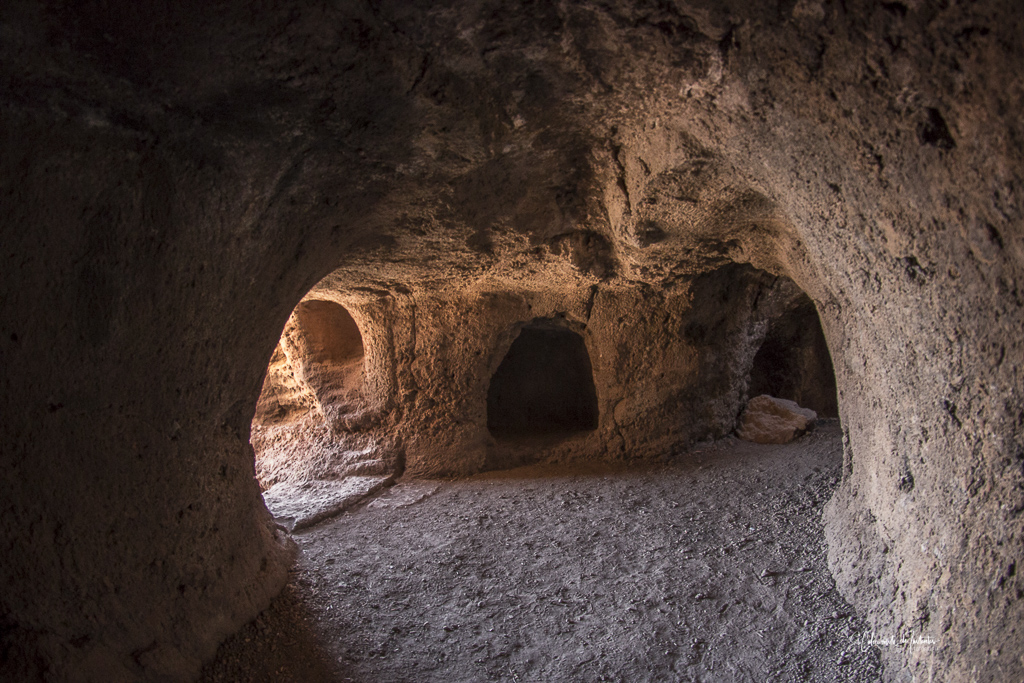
[[176, 178]]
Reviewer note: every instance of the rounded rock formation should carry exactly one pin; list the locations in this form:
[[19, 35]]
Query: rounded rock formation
[[767, 419]]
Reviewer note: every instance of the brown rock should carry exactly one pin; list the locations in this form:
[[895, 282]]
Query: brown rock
[[774, 420], [661, 180]]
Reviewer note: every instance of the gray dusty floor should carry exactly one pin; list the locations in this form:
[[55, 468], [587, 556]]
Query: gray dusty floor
[[708, 569]]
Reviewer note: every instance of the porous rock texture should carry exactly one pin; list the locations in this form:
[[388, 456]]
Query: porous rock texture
[[662, 179]]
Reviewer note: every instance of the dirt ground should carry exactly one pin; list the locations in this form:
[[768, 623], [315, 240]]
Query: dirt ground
[[708, 568]]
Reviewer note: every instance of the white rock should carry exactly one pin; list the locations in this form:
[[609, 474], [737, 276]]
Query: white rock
[[774, 420]]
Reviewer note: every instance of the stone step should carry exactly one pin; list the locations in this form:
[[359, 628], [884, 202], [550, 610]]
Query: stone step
[[298, 506]]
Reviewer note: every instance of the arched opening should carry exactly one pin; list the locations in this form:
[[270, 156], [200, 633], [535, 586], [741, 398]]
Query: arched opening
[[317, 365], [794, 362], [544, 386], [314, 404], [330, 331], [329, 352]]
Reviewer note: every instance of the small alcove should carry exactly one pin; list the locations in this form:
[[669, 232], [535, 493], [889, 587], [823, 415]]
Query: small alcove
[[331, 333], [794, 362], [331, 352], [544, 386]]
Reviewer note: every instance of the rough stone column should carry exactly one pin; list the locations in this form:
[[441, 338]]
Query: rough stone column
[[134, 538]]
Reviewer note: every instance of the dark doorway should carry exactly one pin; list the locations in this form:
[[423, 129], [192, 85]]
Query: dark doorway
[[794, 363], [544, 385]]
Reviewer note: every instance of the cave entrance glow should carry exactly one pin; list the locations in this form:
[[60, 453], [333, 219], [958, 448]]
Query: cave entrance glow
[[331, 332], [312, 395], [544, 386], [318, 364]]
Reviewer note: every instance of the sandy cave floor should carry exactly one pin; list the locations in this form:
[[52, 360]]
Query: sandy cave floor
[[712, 569]]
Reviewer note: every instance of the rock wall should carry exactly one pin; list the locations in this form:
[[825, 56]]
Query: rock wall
[[667, 369], [134, 538], [176, 178]]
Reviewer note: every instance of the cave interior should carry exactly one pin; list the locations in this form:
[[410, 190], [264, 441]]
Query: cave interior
[[250, 247]]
